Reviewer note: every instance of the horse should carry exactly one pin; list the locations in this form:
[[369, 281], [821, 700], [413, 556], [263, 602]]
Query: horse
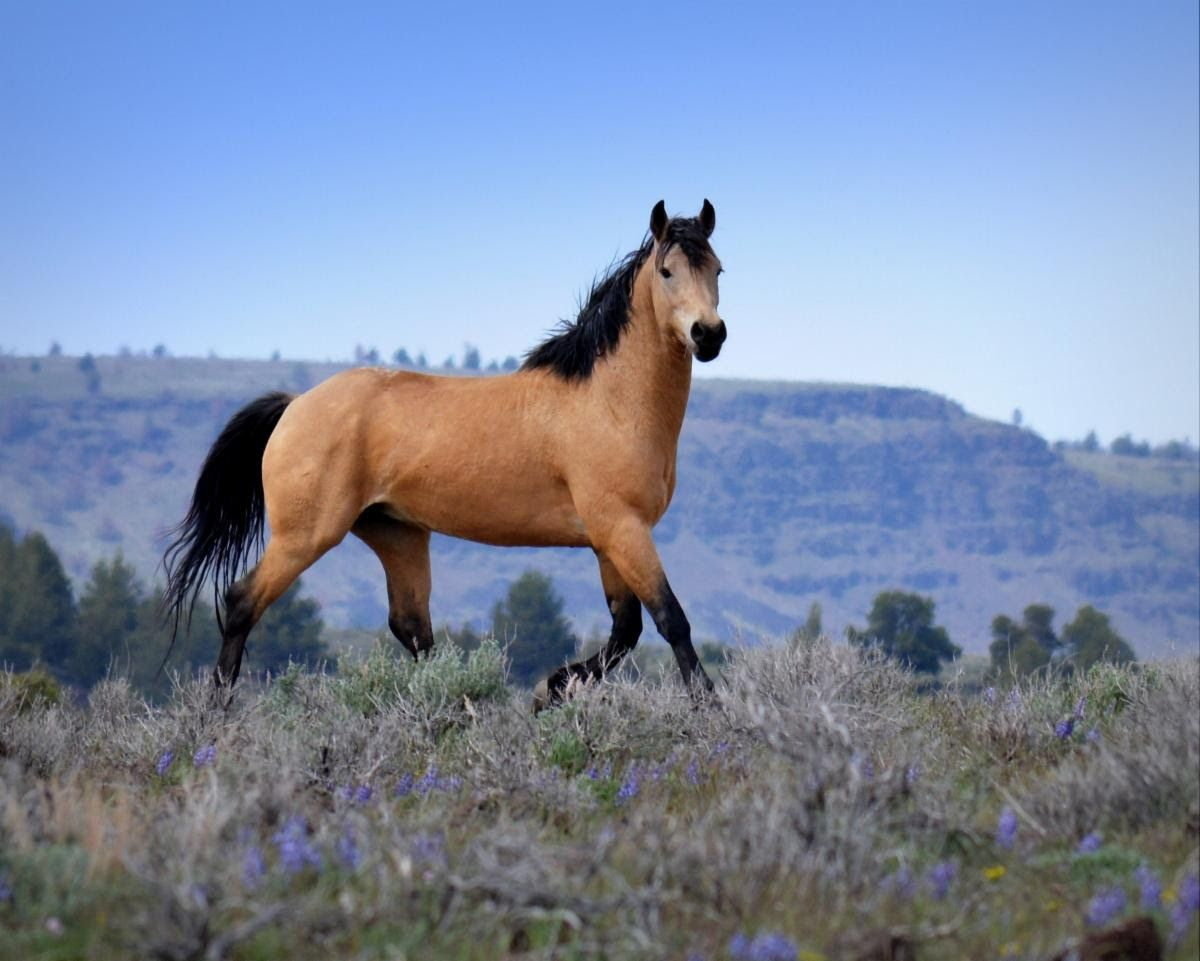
[[576, 448]]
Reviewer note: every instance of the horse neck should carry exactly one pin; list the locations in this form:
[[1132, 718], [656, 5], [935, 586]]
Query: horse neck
[[651, 372]]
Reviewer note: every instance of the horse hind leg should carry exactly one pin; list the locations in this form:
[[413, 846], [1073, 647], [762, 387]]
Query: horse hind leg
[[288, 555], [403, 550], [626, 612]]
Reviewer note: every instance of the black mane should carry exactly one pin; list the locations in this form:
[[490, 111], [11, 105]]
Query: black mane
[[572, 352]]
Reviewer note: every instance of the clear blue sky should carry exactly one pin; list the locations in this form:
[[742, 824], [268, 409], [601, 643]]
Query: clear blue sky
[[997, 201]]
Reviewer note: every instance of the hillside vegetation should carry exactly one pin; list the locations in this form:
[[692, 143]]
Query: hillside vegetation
[[819, 807], [787, 493]]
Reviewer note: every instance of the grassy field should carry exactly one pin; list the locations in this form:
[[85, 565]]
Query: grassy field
[[821, 806]]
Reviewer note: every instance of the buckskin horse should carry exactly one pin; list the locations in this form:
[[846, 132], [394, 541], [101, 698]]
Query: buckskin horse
[[577, 448]]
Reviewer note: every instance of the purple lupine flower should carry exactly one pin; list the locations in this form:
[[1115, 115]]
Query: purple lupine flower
[[428, 781], [1014, 699], [429, 849], [772, 946], [940, 877], [164, 762], [865, 767], [1105, 906], [989, 695], [901, 882], [295, 850], [1091, 843], [1006, 829], [912, 774], [404, 786], [1064, 729], [254, 866], [596, 774], [631, 786], [1150, 887], [363, 794], [1093, 736], [1079, 707], [206, 755], [1187, 903], [693, 772], [347, 850]]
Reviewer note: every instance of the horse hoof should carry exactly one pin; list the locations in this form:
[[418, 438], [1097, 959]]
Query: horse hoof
[[541, 696]]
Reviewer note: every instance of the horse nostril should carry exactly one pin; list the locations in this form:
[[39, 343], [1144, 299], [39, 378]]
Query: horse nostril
[[698, 332], [722, 333]]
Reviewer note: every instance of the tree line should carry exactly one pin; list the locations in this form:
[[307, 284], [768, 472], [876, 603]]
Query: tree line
[[902, 626], [116, 624]]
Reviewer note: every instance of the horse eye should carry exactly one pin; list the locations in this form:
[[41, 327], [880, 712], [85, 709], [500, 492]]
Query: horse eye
[[666, 273]]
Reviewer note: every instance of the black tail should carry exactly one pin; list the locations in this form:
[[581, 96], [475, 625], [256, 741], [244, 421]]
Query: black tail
[[225, 522]]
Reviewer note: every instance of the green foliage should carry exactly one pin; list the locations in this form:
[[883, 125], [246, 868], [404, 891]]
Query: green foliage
[[1091, 640], [442, 678], [901, 625], [31, 690], [1019, 650], [531, 616], [811, 630], [108, 616], [37, 606]]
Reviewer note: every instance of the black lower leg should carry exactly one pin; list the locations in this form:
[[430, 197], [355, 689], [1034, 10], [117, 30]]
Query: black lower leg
[[239, 618], [626, 629], [413, 631], [673, 625]]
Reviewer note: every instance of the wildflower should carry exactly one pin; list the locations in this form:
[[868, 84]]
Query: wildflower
[[989, 695], [912, 774], [164, 762], [1150, 887], [1079, 706], [1093, 736], [347, 850], [693, 772], [596, 774], [631, 787], [206, 755], [254, 866], [1187, 903], [1064, 729], [358, 795], [1105, 906], [995, 872], [1006, 829], [901, 882], [429, 849], [763, 947], [405, 786], [1014, 699], [428, 782], [865, 767], [1091, 843], [940, 877], [295, 851]]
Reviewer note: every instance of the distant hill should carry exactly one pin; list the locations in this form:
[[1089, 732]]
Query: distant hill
[[788, 493]]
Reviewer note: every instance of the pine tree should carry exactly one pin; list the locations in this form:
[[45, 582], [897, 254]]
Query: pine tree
[[531, 616], [108, 617], [39, 608]]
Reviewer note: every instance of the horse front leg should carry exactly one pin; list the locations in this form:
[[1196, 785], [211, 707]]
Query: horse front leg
[[626, 612], [629, 546]]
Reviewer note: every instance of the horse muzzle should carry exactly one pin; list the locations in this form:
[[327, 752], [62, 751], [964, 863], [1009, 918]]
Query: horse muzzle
[[707, 340]]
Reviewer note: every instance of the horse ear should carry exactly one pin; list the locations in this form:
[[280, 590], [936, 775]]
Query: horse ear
[[658, 221], [708, 218]]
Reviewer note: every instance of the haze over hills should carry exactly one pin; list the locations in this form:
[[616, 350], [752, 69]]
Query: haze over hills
[[788, 493]]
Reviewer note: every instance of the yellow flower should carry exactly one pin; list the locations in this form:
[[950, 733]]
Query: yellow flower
[[1053, 905], [995, 873], [1169, 896]]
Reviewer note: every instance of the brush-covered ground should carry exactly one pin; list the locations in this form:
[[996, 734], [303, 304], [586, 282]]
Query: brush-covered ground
[[820, 806]]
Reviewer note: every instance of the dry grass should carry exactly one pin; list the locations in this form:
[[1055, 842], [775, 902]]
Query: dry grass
[[820, 804]]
